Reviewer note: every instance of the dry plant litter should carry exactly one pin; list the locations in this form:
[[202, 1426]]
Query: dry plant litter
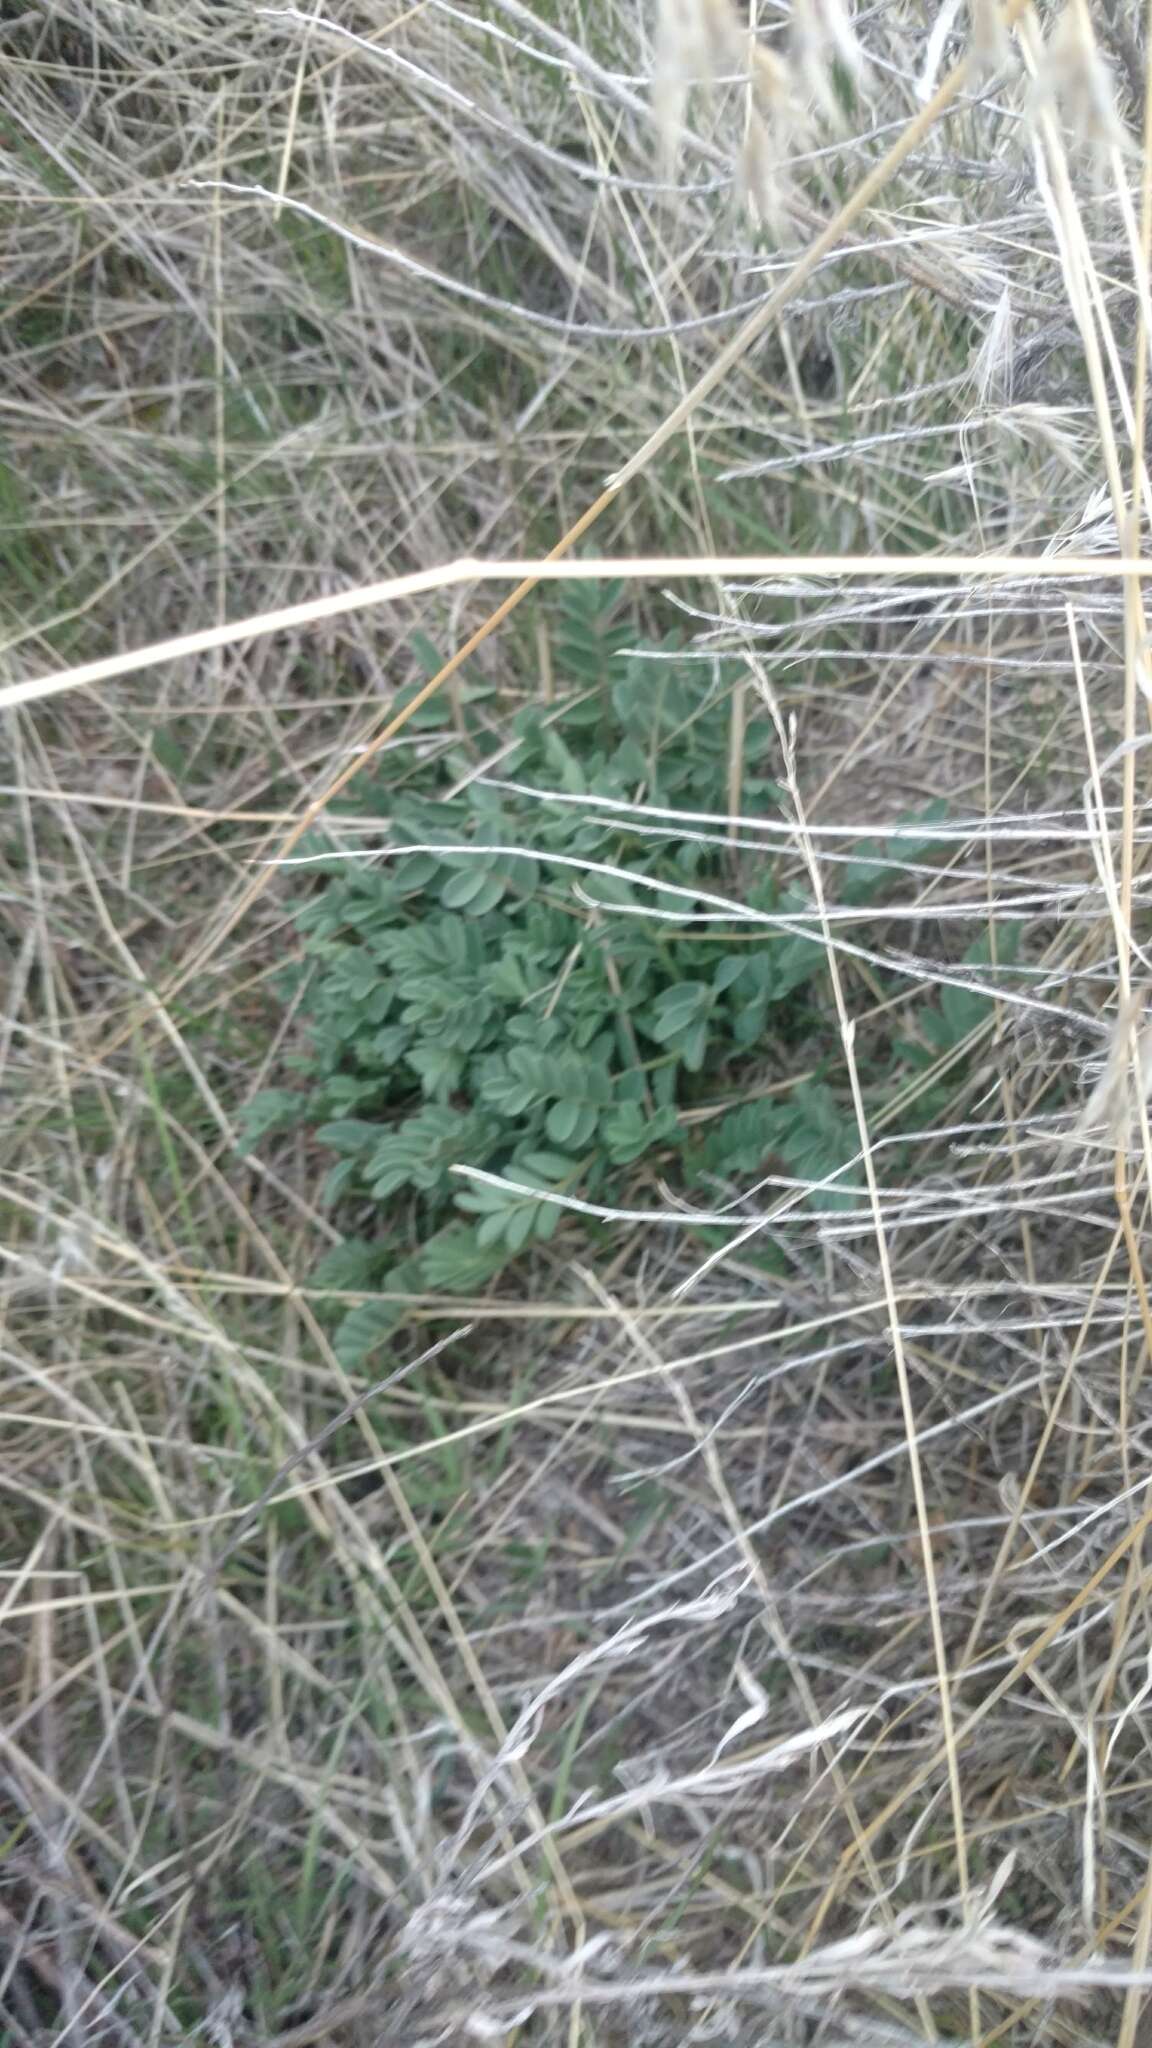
[[730, 1624]]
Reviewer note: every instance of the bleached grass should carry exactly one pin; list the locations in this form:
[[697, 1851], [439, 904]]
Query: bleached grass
[[678, 1649]]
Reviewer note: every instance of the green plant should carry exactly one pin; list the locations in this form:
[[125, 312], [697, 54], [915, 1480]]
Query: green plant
[[530, 985]]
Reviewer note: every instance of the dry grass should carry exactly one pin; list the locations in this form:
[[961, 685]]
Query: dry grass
[[670, 1652]]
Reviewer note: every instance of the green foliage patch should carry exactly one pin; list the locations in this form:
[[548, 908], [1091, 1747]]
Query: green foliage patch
[[534, 983]]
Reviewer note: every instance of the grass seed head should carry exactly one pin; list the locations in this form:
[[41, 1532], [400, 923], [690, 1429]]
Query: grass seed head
[[1075, 79], [989, 43], [777, 126], [821, 39], [697, 42]]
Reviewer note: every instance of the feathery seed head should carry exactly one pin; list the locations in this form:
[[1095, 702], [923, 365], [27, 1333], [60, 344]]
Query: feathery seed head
[[1075, 78]]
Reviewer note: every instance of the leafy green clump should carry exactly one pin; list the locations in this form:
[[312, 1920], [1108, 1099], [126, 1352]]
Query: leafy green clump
[[534, 983]]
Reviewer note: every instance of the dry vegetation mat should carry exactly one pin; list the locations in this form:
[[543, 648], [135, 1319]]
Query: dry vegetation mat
[[576, 1398]]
